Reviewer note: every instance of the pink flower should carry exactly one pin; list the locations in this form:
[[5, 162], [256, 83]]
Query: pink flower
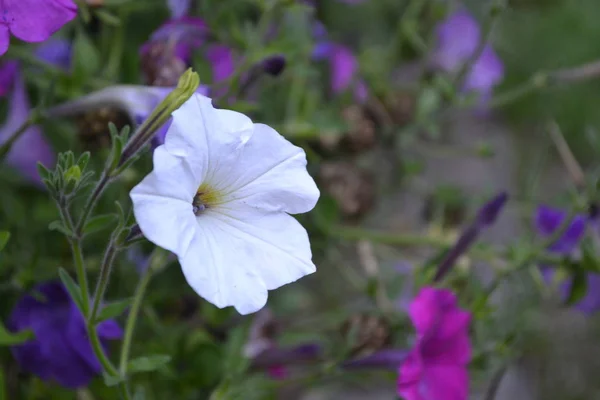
[[436, 368], [33, 20]]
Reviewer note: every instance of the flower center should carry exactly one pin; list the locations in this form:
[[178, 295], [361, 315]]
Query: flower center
[[206, 197]]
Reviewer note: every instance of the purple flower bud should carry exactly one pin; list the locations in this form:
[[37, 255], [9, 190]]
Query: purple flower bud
[[485, 217], [274, 65], [61, 350], [384, 359]]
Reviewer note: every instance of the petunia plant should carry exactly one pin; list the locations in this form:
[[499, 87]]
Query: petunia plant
[[274, 199]]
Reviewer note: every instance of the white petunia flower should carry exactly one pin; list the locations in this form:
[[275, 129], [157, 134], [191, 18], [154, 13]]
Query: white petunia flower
[[220, 196]]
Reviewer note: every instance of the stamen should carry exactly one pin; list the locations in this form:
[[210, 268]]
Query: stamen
[[198, 205]]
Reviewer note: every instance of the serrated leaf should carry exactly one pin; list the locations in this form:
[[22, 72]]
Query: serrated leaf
[[60, 227], [4, 238], [72, 288], [98, 223], [148, 363], [578, 286], [113, 310], [10, 339]]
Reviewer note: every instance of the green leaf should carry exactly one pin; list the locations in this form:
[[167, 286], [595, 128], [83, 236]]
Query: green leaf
[[72, 288], [98, 223], [83, 160], [60, 227], [73, 173], [235, 363], [112, 380], [44, 172], [578, 286], [4, 237], [148, 363], [113, 310], [10, 339], [589, 262], [107, 18], [86, 57]]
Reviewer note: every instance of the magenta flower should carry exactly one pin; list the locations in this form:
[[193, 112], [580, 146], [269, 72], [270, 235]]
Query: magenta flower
[[61, 350], [31, 147], [458, 38], [547, 220], [436, 368], [33, 20]]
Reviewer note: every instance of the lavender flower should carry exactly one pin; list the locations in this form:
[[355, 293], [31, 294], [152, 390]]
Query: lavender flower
[[485, 217], [179, 8], [169, 52], [342, 64], [61, 350], [136, 101], [31, 147], [458, 38], [548, 220], [33, 20]]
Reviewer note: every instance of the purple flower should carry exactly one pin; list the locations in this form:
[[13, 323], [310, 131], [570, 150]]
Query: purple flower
[[485, 217], [342, 64], [136, 101], [179, 8], [458, 38], [265, 353], [436, 368], [33, 20], [61, 350], [31, 147], [548, 220], [56, 51]]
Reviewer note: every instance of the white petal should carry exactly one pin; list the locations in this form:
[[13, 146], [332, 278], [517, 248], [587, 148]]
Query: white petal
[[205, 138], [251, 162], [162, 203], [233, 260], [271, 175]]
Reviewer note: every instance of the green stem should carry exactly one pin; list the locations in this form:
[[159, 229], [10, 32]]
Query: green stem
[[105, 270], [34, 118], [536, 253], [91, 202], [99, 351], [132, 319], [29, 58], [81, 274]]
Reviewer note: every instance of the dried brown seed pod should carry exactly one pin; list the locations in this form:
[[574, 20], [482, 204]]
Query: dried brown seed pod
[[362, 133], [366, 333], [351, 187], [93, 126], [160, 64]]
